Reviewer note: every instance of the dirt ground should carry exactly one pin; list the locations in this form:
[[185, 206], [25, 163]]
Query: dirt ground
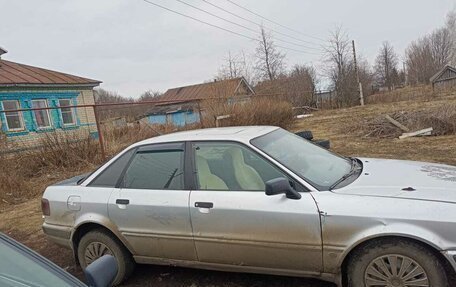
[[23, 221]]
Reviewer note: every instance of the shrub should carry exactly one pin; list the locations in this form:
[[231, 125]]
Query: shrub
[[257, 111]]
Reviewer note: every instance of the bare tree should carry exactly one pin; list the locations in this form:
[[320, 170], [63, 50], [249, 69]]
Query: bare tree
[[235, 66], [366, 76], [340, 68], [269, 60], [430, 53], [302, 84], [150, 95], [231, 68], [386, 66], [450, 25]]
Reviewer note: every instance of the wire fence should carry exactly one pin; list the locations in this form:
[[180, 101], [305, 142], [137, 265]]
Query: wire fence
[[93, 119]]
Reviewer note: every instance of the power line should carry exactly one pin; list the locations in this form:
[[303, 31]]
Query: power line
[[218, 27], [274, 22], [258, 24], [245, 27]]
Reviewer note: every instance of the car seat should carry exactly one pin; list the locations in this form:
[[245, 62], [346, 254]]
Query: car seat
[[246, 176], [206, 178]]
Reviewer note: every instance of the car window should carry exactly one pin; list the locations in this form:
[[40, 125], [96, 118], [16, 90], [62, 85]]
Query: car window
[[156, 169], [18, 269], [110, 176], [231, 166]]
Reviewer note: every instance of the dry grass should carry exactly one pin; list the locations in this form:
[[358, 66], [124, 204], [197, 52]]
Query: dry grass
[[409, 93], [24, 175], [337, 125], [260, 111]]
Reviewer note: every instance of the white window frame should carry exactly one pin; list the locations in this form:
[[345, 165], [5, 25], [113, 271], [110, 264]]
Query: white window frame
[[73, 116], [19, 114], [47, 113]]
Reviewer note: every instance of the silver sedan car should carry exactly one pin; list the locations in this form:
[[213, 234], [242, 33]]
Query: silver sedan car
[[261, 199]]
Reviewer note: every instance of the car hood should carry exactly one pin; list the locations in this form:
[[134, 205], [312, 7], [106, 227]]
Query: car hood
[[404, 179]]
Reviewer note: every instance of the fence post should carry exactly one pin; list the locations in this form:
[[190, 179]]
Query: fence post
[[200, 115], [100, 134]]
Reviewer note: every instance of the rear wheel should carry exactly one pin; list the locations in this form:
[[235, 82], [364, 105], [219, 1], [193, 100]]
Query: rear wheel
[[97, 243], [395, 264]]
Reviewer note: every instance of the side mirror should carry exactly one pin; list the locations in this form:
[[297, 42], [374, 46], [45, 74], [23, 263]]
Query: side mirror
[[101, 272], [281, 185]]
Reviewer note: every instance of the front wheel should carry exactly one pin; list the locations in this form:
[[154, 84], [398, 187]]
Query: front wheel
[[395, 264], [97, 243]]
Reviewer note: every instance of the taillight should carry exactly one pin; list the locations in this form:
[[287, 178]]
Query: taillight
[[45, 207]]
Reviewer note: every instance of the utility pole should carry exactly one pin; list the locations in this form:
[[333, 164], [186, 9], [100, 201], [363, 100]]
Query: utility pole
[[360, 85], [405, 73]]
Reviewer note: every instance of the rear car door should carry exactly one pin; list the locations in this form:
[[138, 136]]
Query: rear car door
[[234, 222], [150, 208]]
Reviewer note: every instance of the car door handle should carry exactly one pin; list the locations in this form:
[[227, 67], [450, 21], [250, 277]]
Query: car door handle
[[204, 204], [122, 201]]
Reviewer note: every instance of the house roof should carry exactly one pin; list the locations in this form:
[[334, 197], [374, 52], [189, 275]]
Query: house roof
[[441, 72], [223, 88], [15, 74]]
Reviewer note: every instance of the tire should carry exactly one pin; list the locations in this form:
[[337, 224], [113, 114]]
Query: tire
[[305, 134], [323, 143], [125, 261], [406, 252]]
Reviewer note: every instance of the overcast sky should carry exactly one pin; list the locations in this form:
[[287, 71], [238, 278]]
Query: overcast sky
[[133, 46]]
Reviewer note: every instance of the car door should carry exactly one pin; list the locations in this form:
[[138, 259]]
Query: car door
[[234, 222], [150, 208]]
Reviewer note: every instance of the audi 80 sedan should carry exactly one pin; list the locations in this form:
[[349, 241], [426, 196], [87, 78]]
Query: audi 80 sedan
[[262, 200]]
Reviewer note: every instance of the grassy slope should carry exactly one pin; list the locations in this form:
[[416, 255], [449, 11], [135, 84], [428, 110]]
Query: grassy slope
[[333, 125]]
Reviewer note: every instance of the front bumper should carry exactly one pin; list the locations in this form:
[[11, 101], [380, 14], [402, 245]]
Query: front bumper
[[451, 256], [59, 234]]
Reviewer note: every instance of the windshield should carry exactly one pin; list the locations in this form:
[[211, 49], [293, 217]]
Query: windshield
[[17, 269], [316, 165]]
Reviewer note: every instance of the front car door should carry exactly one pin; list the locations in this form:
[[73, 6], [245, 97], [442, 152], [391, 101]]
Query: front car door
[[235, 223], [150, 207]]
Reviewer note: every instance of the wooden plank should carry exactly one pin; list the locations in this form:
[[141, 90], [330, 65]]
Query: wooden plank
[[396, 123], [423, 132]]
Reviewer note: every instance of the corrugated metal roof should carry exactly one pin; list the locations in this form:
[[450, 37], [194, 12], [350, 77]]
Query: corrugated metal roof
[[217, 89], [15, 74]]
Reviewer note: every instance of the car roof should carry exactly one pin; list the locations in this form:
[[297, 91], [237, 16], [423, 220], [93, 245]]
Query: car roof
[[241, 134]]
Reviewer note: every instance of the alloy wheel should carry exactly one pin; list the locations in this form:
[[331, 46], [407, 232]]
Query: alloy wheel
[[94, 251], [395, 270]]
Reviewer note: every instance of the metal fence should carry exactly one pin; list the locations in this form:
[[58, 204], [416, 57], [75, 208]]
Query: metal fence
[[98, 109]]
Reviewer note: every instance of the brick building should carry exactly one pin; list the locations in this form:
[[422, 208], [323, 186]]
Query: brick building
[[23, 87]]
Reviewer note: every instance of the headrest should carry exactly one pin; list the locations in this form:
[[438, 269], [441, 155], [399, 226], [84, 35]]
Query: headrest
[[202, 165]]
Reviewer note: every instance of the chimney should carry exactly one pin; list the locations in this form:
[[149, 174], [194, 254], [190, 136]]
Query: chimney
[[2, 51]]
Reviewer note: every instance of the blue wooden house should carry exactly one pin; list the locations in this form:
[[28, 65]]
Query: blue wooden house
[[24, 87], [183, 108]]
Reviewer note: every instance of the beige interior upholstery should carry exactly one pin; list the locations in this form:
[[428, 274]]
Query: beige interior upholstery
[[247, 177], [207, 179]]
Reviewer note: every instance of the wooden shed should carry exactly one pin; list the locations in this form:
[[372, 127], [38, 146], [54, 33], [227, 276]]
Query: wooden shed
[[444, 79]]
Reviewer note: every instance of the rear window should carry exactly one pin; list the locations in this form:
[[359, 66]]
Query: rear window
[[110, 176]]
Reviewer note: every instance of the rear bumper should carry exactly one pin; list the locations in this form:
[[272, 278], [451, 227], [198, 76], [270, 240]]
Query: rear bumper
[[451, 256], [59, 234]]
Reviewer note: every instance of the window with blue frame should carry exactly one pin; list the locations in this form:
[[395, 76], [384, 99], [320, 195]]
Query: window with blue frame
[[63, 115], [42, 117], [68, 116], [14, 120]]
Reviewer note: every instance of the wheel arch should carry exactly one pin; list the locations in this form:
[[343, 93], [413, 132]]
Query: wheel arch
[[87, 226], [387, 239]]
